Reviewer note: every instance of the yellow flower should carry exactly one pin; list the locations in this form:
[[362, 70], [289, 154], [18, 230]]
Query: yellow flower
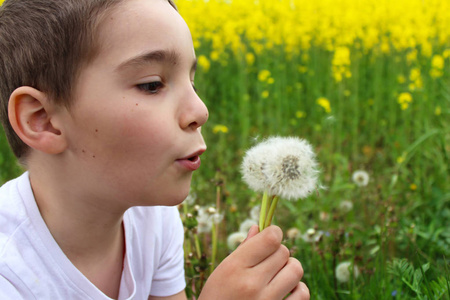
[[325, 104], [411, 56], [300, 114], [437, 62], [438, 110], [220, 128], [413, 187], [204, 63], [437, 66], [446, 53], [436, 73], [404, 99], [250, 58], [214, 55], [264, 75], [401, 79], [341, 64], [401, 158], [302, 69], [265, 94], [414, 74]]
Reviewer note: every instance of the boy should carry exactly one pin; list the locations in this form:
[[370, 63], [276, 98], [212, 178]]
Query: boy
[[98, 103]]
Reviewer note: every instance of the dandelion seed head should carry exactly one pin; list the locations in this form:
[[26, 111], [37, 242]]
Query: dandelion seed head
[[346, 206], [281, 166], [217, 218], [254, 212], [253, 166], [292, 170], [235, 239], [247, 224], [312, 236], [206, 216], [343, 271], [324, 216], [293, 233], [190, 199], [361, 178]]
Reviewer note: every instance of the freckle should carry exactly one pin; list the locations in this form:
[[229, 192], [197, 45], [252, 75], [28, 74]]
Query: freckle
[[137, 104], [96, 130], [83, 151], [93, 156]]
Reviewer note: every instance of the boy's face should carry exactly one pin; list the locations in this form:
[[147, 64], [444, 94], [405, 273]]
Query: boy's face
[[134, 129]]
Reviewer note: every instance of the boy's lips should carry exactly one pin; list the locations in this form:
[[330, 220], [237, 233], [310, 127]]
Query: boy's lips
[[192, 161]]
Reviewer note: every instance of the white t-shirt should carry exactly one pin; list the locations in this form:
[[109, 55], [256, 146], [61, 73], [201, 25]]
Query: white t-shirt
[[32, 266]]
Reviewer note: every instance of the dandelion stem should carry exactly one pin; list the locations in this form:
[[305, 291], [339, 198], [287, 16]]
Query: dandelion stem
[[214, 247], [263, 213], [271, 212], [197, 246]]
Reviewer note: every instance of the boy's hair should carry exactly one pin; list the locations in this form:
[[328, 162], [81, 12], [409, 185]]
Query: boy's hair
[[45, 44]]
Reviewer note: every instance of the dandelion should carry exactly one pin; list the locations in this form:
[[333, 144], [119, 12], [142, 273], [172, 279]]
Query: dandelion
[[206, 217], [312, 236], [254, 212], [280, 167], [324, 216], [293, 233], [247, 224], [190, 199], [235, 239], [345, 206], [204, 222], [361, 178], [343, 272]]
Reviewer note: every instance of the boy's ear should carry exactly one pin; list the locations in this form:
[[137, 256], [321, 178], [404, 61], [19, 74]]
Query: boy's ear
[[34, 119]]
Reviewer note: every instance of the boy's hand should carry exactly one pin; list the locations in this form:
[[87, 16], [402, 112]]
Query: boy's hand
[[260, 268]]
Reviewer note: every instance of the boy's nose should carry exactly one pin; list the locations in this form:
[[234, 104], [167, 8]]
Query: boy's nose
[[195, 113]]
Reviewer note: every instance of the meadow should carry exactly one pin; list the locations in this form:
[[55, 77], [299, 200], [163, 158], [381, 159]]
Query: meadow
[[367, 83]]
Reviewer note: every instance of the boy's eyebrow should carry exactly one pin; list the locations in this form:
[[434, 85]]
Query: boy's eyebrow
[[161, 56]]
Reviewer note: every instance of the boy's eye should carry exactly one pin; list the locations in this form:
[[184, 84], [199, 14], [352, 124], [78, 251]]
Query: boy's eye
[[195, 89], [151, 87]]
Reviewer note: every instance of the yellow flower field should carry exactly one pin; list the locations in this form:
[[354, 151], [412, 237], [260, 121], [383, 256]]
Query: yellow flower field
[[382, 26]]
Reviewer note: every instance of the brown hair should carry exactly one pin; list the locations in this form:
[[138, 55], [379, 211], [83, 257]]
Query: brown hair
[[44, 44]]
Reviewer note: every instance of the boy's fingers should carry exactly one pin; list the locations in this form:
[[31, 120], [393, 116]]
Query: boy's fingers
[[287, 280], [260, 246], [275, 263], [301, 292]]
